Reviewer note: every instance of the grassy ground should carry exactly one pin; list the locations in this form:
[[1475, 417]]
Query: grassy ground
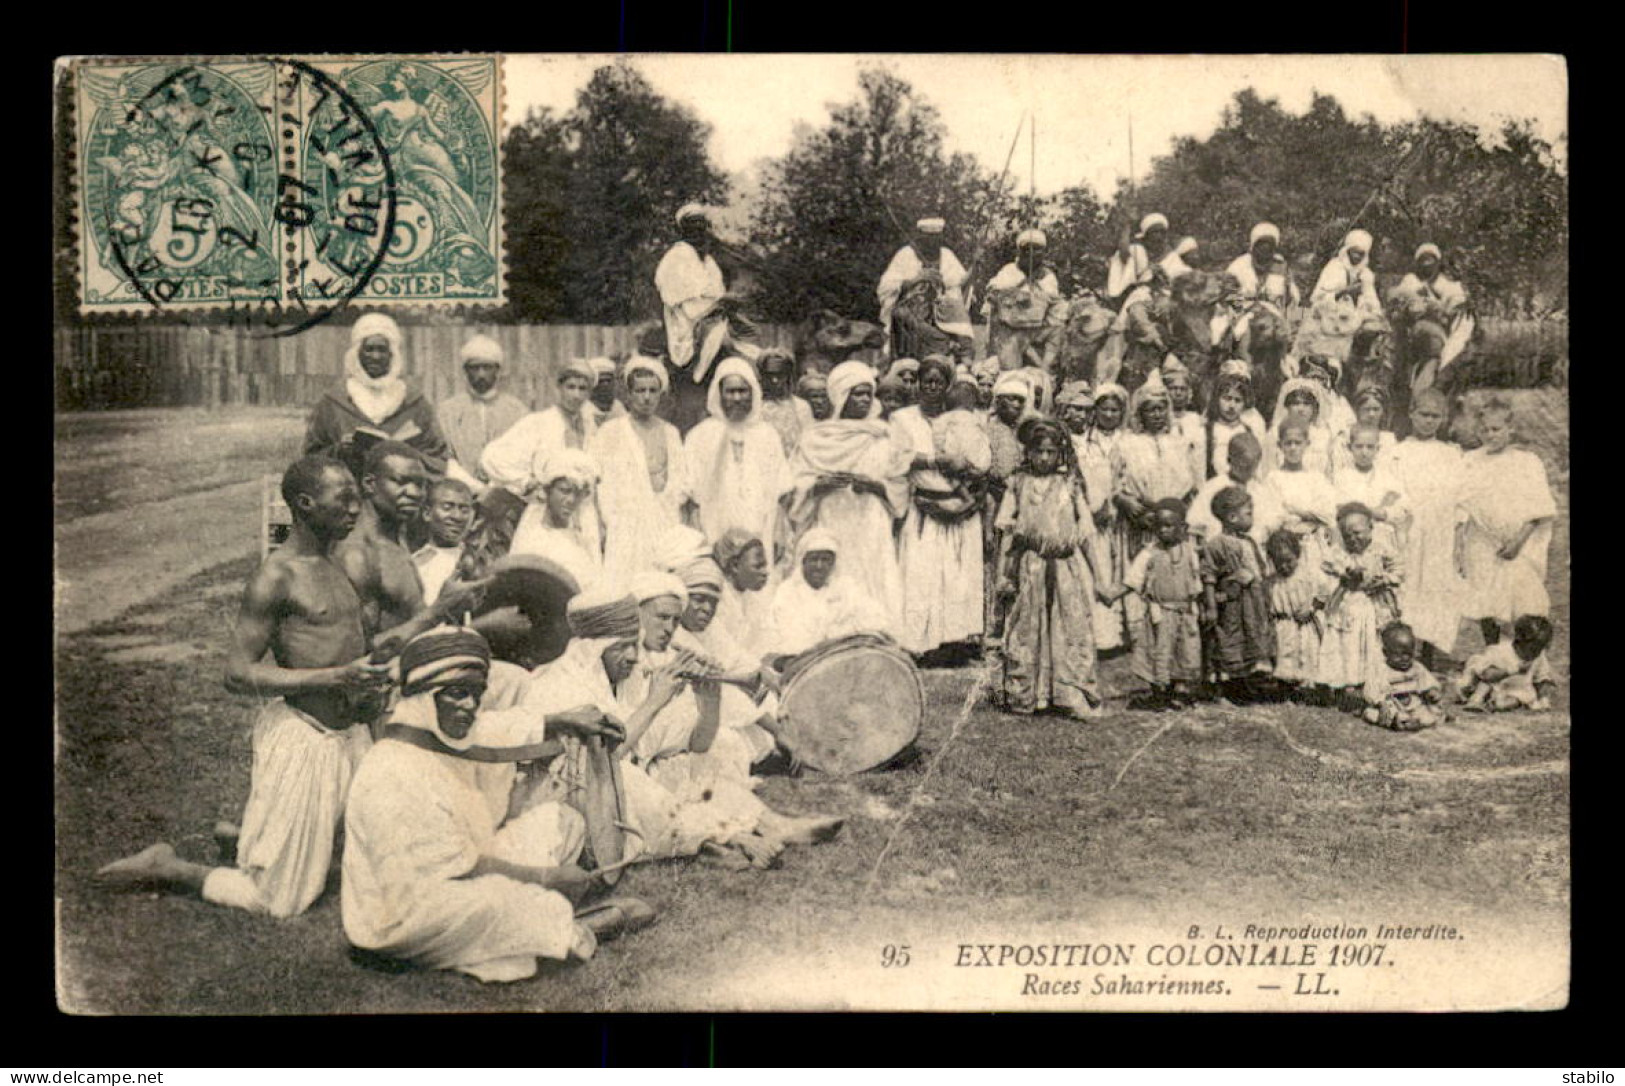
[[1024, 824]]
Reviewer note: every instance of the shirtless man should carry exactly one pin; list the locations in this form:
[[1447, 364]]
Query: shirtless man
[[301, 607], [378, 560]]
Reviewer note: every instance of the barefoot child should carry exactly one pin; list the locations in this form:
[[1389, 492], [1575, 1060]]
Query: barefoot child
[[1297, 596], [1514, 676], [1047, 579], [1235, 598], [1364, 574], [1408, 698], [1508, 534], [1166, 579]]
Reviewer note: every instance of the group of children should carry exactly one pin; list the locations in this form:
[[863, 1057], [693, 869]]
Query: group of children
[[1316, 558]]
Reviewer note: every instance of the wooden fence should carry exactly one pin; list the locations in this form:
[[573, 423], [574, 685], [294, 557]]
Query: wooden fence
[[159, 366]]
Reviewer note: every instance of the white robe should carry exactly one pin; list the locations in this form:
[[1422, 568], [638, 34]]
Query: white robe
[[416, 824], [804, 616], [634, 514], [1502, 492], [1121, 274], [941, 564], [1429, 476], [435, 565], [737, 474], [561, 545], [690, 287], [905, 267], [515, 461]]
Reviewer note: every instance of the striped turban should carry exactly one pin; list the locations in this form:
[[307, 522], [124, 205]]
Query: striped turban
[[433, 655], [602, 614]]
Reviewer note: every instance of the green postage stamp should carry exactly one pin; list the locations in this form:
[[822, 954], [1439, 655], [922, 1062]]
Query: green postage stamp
[[288, 187]]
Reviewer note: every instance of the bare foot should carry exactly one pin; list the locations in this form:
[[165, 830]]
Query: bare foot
[[761, 851], [804, 831], [155, 864]]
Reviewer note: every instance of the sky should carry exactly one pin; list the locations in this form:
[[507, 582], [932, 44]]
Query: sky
[[1080, 105]]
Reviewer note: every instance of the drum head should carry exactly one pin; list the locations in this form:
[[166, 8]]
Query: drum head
[[522, 612], [850, 705]]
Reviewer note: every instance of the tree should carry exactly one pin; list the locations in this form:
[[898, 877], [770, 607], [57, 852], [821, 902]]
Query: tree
[[846, 196], [536, 168], [635, 158]]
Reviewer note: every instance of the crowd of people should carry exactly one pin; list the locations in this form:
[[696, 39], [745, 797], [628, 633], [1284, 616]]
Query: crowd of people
[[1320, 547]]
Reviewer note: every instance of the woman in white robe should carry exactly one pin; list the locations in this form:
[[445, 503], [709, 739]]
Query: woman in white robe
[[735, 459], [940, 554], [851, 479], [639, 496]]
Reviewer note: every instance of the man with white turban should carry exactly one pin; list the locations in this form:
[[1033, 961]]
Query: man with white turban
[[923, 257], [1261, 278], [644, 485], [1432, 313], [1343, 304], [692, 294], [820, 600], [1024, 305], [480, 412], [446, 864], [736, 460], [1131, 264], [850, 478], [376, 399]]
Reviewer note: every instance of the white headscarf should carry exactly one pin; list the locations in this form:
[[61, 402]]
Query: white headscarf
[[483, 349], [640, 364], [735, 367], [573, 464], [652, 584], [376, 397], [1264, 230], [846, 377]]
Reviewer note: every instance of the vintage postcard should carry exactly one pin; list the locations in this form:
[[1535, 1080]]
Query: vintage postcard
[[706, 533], [286, 184]]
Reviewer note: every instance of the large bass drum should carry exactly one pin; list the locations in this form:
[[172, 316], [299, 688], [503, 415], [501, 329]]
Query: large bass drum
[[522, 612], [850, 704]]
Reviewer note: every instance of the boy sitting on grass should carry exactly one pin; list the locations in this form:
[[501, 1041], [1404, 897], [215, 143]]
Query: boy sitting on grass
[[1408, 699], [1515, 676]]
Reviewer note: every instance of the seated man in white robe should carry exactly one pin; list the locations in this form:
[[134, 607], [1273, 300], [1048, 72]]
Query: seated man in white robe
[[445, 866], [816, 604], [925, 257]]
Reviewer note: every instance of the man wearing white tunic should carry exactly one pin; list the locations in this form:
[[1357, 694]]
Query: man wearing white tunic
[[691, 292], [480, 413], [515, 460], [1261, 278], [940, 549], [444, 866], [851, 479], [1023, 304], [735, 459], [924, 256], [1344, 302], [1432, 309], [1132, 264], [644, 483]]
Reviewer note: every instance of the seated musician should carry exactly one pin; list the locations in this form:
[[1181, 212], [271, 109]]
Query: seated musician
[[816, 604], [446, 863], [685, 746]]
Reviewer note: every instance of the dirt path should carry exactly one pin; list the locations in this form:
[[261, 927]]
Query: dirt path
[[110, 562]]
